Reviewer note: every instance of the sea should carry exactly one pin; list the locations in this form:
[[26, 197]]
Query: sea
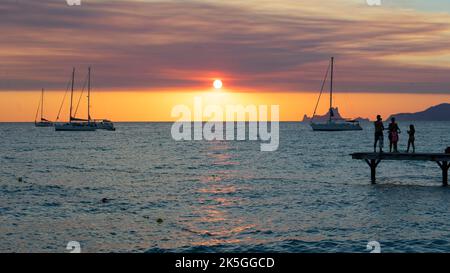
[[138, 190]]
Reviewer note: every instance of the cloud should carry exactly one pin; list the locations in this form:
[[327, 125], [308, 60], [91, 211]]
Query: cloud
[[260, 45]]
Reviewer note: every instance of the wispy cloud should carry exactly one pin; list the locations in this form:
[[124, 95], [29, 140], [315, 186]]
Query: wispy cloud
[[257, 45]]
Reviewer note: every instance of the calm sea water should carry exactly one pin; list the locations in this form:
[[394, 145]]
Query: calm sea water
[[309, 196]]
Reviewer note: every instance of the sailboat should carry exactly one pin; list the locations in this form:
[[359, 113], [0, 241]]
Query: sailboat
[[77, 124], [43, 122], [333, 124], [101, 124]]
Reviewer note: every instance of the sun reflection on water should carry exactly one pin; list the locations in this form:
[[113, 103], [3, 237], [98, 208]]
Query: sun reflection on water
[[215, 223]]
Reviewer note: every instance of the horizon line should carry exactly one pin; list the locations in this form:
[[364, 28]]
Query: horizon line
[[226, 90]]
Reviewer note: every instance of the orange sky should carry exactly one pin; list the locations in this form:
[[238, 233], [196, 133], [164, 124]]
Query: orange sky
[[153, 54], [157, 106]]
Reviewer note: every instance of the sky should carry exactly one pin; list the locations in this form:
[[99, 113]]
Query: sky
[[273, 52]]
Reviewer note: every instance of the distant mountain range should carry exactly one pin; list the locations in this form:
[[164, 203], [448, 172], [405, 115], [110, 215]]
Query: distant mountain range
[[325, 117], [439, 112]]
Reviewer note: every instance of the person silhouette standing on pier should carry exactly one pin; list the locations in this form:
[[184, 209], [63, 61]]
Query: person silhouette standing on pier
[[411, 139], [379, 138], [394, 131]]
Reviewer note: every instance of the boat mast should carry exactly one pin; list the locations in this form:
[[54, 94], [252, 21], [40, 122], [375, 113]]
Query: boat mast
[[89, 94], [71, 93], [331, 87], [42, 103]]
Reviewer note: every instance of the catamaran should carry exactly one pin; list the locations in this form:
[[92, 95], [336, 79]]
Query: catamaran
[[333, 124], [43, 122], [77, 124]]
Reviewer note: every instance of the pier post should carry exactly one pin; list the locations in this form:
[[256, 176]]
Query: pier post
[[373, 168], [444, 166]]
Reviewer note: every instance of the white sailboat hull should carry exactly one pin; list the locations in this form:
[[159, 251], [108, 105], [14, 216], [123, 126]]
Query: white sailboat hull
[[75, 127], [332, 126]]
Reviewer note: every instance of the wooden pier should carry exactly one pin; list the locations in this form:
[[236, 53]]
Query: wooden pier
[[373, 159]]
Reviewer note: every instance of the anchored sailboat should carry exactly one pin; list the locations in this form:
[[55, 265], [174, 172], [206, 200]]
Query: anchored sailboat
[[43, 122], [333, 124], [77, 124], [101, 124]]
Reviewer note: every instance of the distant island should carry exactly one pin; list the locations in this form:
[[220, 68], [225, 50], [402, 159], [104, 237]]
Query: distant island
[[325, 117], [439, 112]]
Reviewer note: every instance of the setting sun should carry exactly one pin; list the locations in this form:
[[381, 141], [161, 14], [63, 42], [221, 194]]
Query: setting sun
[[217, 84]]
